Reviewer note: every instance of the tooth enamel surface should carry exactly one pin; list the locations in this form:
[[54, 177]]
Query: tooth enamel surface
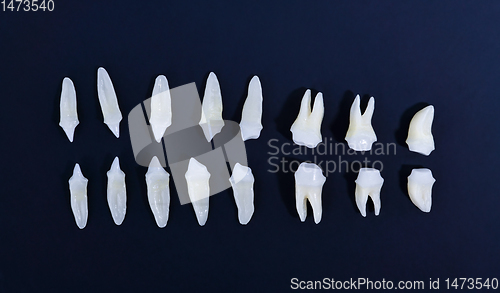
[[360, 135], [197, 177], [242, 182], [69, 115], [420, 184], [78, 194], [161, 107], [306, 130], [157, 180], [368, 183], [108, 101], [211, 109], [420, 138], [251, 115], [117, 193], [309, 180]]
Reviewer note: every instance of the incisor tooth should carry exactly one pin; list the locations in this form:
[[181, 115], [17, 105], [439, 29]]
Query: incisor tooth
[[420, 138], [108, 101], [211, 108], [197, 178], [78, 194], [306, 130], [69, 115], [242, 182], [420, 184], [368, 183], [360, 135], [157, 180], [251, 115], [161, 107], [309, 181], [117, 192]]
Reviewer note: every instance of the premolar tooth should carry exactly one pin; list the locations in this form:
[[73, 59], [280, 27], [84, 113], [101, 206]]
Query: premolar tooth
[[197, 177], [108, 101], [69, 115], [117, 192], [306, 130], [368, 183], [211, 109], [161, 108], [360, 135], [242, 182], [420, 138], [420, 184], [157, 180], [78, 194], [309, 181], [251, 115]]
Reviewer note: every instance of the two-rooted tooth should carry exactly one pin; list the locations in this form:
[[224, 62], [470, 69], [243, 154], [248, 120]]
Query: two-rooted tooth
[[242, 182], [117, 192], [420, 137], [369, 183], [108, 101], [69, 115], [197, 178], [78, 196], [211, 108], [251, 115], [309, 180], [161, 108], [420, 184], [157, 180], [360, 135], [306, 130]]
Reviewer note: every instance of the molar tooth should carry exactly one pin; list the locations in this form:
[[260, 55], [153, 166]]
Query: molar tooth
[[197, 177], [117, 192], [242, 182], [420, 138], [161, 107], [360, 136], [78, 194], [108, 101], [309, 181], [157, 180], [420, 184], [306, 130], [368, 183], [211, 109], [69, 115], [251, 115]]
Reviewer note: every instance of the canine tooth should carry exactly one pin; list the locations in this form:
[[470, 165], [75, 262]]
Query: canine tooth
[[117, 192], [197, 177], [69, 115], [309, 180], [420, 138], [78, 191], [306, 130], [211, 109], [157, 180], [360, 135], [368, 183], [108, 101], [161, 107], [251, 115], [242, 182], [420, 184]]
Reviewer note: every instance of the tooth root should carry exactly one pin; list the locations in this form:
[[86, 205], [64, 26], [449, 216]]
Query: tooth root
[[78, 194], [211, 109], [368, 184], [420, 184], [242, 181], [197, 178], [309, 181], [157, 180], [420, 138], [161, 107], [306, 130], [69, 115], [251, 115], [360, 135], [117, 192], [108, 101]]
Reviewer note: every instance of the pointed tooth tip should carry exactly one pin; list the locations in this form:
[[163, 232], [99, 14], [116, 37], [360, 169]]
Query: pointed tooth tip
[[115, 128], [155, 163]]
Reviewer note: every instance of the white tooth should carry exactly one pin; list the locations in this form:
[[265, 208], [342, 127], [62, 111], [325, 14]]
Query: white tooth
[[251, 115], [197, 177], [368, 183], [306, 130], [309, 181], [108, 101], [78, 191], [420, 138], [420, 184], [117, 192], [69, 115], [360, 135], [242, 182], [211, 109], [157, 180], [161, 108]]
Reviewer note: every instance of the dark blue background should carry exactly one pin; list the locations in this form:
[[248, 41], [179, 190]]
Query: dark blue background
[[405, 53]]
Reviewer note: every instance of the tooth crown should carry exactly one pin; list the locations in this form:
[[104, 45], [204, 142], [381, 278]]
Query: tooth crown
[[309, 180], [157, 180], [117, 192], [306, 130], [420, 184], [211, 109], [78, 195], [242, 181], [369, 183], [420, 137], [251, 115], [161, 107], [197, 178], [108, 101], [69, 115], [360, 135]]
